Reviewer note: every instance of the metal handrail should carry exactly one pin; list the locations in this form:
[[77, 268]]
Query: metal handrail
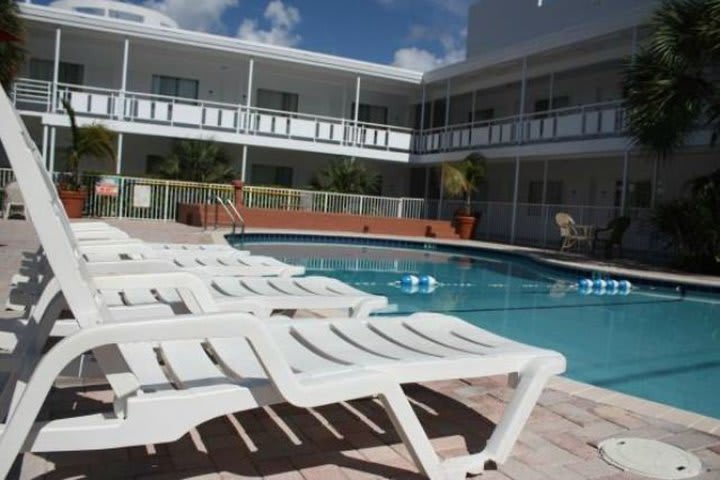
[[234, 215]]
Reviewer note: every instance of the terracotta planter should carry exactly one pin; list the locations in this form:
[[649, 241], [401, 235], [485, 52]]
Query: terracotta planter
[[73, 201], [465, 226]]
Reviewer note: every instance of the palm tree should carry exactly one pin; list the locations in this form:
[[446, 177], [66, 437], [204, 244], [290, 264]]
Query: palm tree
[[462, 179], [672, 85], [12, 54], [347, 176], [93, 141], [197, 161]]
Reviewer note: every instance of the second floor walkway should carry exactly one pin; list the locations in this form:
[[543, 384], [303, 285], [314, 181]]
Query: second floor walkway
[[284, 129]]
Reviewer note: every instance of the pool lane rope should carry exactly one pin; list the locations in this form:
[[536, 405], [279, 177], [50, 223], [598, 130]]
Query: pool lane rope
[[599, 286]]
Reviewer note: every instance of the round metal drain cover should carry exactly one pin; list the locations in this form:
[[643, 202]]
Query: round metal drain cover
[[650, 458]]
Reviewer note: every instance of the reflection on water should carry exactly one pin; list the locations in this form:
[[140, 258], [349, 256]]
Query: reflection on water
[[653, 343]]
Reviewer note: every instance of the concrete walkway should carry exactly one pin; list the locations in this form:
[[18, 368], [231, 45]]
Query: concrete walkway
[[353, 440]]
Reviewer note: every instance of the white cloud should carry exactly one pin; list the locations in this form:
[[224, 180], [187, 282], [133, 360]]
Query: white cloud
[[205, 15], [421, 59], [282, 20]]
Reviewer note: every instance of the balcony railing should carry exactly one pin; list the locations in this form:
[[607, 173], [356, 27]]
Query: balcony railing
[[585, 121], [211, 116], [581, 122]]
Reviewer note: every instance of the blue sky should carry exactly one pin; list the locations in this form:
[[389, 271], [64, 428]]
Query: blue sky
[[418, 34]]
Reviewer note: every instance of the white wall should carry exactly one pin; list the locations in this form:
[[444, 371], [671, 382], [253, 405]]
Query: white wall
[[494, 24]]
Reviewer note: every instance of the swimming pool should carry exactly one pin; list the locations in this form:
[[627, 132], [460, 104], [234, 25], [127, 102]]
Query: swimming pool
[[657, 343]]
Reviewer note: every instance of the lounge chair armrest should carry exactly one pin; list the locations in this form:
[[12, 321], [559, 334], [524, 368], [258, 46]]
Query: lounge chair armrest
[[192, 289]]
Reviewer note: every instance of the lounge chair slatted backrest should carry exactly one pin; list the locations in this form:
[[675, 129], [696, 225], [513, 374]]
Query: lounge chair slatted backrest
[[62, 250]]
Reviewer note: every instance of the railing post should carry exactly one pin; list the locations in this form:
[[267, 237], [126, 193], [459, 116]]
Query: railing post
[[166, 203], [400, 208], [327, 199], [121, 199], [362, 202]]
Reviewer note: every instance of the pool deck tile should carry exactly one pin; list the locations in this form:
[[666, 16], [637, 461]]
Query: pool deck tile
[[356, 440]]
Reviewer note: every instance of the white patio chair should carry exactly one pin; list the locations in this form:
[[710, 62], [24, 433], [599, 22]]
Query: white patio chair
[[255, 362], [14, 205], [572, 234]]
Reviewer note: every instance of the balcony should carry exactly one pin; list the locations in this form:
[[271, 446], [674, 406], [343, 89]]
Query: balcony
[[599, 120], [581, 122], [209, 116]]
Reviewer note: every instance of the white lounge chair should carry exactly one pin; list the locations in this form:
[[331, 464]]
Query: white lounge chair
[[254, 362]]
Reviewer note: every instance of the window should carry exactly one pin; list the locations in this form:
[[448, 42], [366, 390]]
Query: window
[[438, 113], [418, 115], [68, 72], [639, 194], [272, 175], [174, 87], [91, 11], [130, 17], [543, 105], [553, 196], [484, 114], [371, 113], [275, 100]]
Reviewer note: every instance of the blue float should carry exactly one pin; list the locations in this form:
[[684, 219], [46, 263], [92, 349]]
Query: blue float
[[428, 281], [599, 286], [410, 280]]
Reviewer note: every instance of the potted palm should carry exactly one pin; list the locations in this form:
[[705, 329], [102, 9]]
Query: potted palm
[[461, 179], [91, 141]]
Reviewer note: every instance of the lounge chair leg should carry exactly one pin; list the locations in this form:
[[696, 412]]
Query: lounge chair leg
[[532, 382], [411, 432]]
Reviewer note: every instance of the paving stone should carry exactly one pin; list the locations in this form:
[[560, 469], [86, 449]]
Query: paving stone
[[517, 470], [553, 397], [572, 444], [595, 468], [574, 413], [597, 431], [618, 416], [692, 440], [558, 472]]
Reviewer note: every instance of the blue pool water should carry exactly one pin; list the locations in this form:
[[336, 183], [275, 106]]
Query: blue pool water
[[657, 343]]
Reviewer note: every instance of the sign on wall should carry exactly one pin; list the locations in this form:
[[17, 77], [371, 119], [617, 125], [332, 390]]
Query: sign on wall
[[107, 187], [141, 196]]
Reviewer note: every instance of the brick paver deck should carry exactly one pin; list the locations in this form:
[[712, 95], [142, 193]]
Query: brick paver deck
[[354, 440]]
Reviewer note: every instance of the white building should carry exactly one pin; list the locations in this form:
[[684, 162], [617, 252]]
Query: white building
[[539, 95]]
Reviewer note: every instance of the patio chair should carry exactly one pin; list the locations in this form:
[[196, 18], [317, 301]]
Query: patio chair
[[573, 235], [14, 205], [255, 362], [612, 235]]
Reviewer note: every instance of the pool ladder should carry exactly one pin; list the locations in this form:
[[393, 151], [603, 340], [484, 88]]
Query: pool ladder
[[232, 211]]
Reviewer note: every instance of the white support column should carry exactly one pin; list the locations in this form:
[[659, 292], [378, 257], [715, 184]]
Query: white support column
[[118, 163], [654, 185], [123, 81], [442, 193], [623, 192], [551, 96], [51, 163], [56, 70], [474, 106], [520, 135], [515, 200], [545, 182], [447, 115], [243, 168], [356, 137], [422, 109], [427, 189], [249, 93], [45, 145]]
